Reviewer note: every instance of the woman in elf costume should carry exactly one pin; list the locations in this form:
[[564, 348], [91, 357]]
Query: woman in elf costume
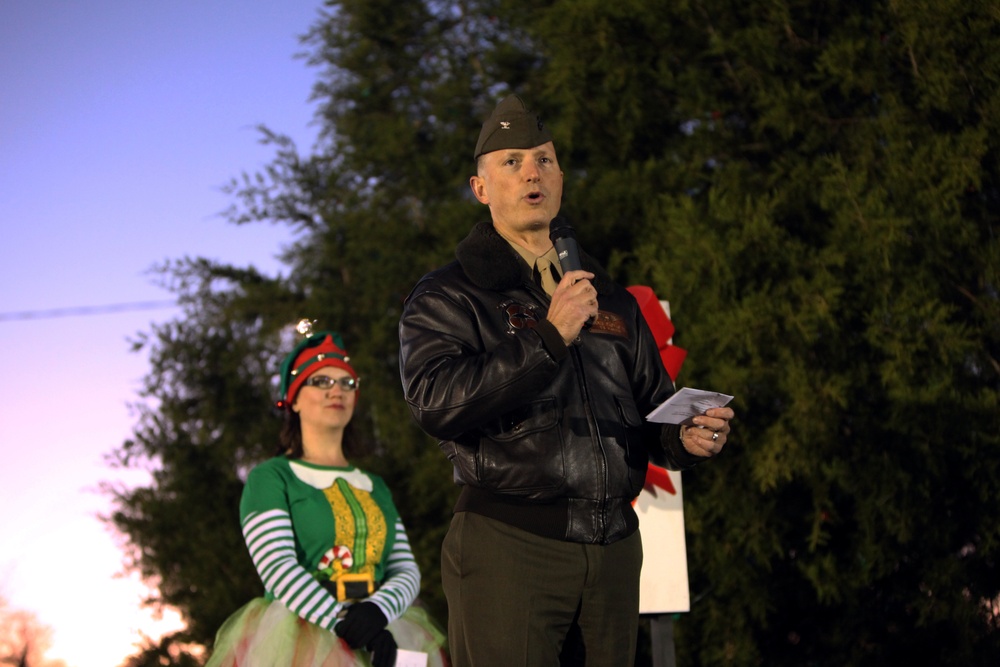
[[325, 536]]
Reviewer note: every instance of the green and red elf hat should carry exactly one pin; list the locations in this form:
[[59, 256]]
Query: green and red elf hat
[[325, 348]]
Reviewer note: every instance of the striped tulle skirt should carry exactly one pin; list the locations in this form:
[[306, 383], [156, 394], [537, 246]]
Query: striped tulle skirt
[[265, 633]]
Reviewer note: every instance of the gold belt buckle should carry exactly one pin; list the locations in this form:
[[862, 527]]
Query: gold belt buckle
[[354, 586]]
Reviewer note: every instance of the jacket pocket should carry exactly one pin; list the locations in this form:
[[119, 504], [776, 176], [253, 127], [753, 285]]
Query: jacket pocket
[[521, 451], [636, 454]]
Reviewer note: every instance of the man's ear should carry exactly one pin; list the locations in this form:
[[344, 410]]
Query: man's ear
[[478, 186]]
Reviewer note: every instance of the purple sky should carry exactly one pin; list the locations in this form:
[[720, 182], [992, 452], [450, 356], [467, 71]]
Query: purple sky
[[119, 122]]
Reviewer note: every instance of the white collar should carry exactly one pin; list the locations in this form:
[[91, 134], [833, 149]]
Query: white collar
[[323, 478]]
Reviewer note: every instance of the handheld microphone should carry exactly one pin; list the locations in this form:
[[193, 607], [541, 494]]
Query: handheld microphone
[[564, 240]]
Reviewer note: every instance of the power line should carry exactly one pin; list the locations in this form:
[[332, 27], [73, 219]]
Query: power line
[[85, 310]]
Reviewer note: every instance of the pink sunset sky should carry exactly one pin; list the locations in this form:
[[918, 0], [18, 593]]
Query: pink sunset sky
[[120, 120]]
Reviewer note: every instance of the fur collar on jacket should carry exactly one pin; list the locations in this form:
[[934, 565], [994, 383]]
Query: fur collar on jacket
[[490, 262]]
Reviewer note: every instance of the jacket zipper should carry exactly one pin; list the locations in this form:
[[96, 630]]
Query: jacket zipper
[[598, 442]]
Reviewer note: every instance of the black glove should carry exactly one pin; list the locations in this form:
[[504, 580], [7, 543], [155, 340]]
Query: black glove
[[383, 649], [363, 622]]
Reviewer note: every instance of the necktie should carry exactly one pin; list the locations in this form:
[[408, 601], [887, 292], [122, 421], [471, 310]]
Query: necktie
[[545, 270]]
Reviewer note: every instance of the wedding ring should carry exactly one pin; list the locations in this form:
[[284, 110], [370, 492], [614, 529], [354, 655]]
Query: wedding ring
[[715, 436]]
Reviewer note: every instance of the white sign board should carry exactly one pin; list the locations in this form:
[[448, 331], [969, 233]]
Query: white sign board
[[663, 583]]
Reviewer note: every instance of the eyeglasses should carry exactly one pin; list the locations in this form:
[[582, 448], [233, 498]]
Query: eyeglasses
[[346, 383]]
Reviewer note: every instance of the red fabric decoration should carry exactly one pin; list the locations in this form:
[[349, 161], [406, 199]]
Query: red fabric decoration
[[672, 358]]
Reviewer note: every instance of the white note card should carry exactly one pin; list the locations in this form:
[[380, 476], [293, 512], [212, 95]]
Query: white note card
[[406, 658], [687, 403]]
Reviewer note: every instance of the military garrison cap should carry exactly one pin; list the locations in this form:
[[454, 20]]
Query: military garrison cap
[[511, 125]]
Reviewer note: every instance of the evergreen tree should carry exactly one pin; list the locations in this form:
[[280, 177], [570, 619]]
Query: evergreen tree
[[207, 419], [813, 186]]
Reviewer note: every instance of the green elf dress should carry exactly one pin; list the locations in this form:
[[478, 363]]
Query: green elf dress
[[321, 539]]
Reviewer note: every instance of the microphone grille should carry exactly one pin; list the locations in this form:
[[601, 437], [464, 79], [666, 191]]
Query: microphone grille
[[560, 228]]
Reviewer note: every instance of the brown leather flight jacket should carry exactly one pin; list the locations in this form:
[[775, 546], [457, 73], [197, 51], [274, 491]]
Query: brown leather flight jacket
[[545, 436]]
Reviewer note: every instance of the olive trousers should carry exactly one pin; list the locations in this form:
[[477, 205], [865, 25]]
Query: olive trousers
[[518, 599]]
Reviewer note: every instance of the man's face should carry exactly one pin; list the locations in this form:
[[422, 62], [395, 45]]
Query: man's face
[[522, 187]]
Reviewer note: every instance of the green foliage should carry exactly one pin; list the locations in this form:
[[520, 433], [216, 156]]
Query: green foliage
[[813, 186], [205, 420], [824, 236]]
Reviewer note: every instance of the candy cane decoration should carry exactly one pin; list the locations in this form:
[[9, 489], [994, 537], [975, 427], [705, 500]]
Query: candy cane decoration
[[339, 552]]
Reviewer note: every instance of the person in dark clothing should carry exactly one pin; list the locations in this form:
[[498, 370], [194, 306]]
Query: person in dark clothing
[[536, 385]]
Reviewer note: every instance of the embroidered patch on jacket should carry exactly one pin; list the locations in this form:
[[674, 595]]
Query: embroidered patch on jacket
[[607, 322], [518, 316]]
